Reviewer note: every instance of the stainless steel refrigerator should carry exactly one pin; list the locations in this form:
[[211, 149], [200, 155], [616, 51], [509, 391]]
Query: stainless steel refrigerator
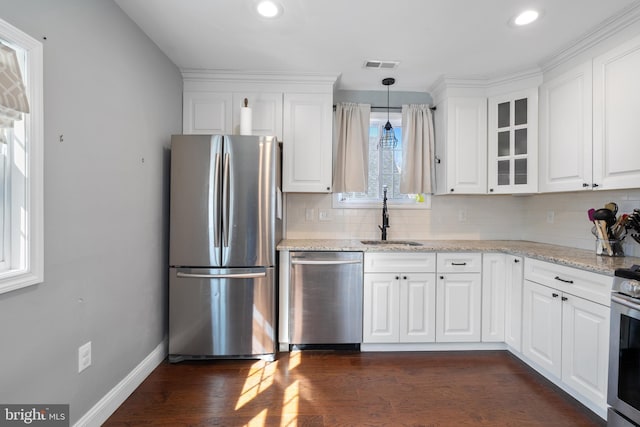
[[225, 222]]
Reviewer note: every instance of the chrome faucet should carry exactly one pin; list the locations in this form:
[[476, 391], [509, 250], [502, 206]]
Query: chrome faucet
[[385, 214]]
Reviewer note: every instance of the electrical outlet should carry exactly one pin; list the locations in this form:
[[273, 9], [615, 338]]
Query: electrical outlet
[[324, 215], [551, 216], [84, 356]]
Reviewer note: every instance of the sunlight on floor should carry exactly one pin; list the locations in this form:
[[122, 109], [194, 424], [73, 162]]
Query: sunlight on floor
[[294, 359], [290, 405], [259, 378], [259, 420]]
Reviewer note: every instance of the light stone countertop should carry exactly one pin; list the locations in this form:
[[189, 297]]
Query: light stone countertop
[[572, 257]]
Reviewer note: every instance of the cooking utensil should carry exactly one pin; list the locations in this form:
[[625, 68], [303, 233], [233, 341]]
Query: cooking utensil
[[612, 207], [605, 215]]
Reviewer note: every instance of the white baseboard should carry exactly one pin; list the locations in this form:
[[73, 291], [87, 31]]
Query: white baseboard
[[106, 406]]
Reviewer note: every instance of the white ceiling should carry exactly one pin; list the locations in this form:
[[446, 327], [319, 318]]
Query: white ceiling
[[430, 38]]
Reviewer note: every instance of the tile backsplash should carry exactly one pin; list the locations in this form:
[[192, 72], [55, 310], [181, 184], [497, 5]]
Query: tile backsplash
[[558, 218]]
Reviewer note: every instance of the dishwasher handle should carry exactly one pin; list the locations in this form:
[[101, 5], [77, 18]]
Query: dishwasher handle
[[303, 261]]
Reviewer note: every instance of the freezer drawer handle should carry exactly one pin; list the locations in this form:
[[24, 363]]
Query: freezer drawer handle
[[222, 276], [312, 262]]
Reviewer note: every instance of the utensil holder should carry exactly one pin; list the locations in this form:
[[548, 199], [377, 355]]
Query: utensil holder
[[609, 247]]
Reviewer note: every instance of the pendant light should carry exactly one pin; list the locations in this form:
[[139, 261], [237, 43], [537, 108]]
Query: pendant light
[[388, 138]]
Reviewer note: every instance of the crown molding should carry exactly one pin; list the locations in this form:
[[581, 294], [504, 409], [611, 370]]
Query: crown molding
[[244, 76], [606, 29]]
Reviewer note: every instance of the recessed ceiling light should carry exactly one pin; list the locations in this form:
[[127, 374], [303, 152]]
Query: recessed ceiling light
[[269, 9], [526, 17]]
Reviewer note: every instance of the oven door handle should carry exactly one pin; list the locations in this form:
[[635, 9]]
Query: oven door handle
[[624, 301]]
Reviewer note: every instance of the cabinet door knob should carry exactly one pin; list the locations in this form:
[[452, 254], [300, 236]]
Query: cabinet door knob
[[594, 185], [451, 190], [441, 277], [555, 295], [584, 184], [404, 277], [516, 260], [397, 277], [564, 298], [491, 190]]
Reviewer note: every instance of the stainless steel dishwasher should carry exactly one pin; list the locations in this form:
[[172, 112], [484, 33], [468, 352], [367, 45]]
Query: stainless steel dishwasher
[[325, 305]]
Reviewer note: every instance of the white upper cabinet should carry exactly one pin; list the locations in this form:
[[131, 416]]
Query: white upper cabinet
[[298, 110], [616, 109], [566, 131], [461, 145], [513, 143], [207, 113], [307, 141], [266, 113]]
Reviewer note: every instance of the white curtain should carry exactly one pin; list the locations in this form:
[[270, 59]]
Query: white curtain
[[417, 175], [352, 147], [13, 97]]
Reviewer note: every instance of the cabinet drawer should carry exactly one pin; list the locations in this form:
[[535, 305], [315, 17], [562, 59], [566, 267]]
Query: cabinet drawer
[[459, 262], [399, 262], [592, 286]]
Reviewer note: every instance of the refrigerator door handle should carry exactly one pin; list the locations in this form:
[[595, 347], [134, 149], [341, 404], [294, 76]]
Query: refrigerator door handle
[[222, 276], [216, 207], [225, 202]]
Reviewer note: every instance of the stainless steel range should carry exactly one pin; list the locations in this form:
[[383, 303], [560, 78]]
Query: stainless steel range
[[624, 352]]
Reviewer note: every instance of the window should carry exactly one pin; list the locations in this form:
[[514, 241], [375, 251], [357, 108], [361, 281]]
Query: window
[[385, 165], [21, 167]]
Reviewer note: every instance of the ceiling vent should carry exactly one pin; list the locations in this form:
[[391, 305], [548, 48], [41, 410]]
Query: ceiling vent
[[374, 64]]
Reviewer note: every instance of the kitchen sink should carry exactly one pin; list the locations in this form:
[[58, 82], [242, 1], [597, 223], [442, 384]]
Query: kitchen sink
[[390, 242]]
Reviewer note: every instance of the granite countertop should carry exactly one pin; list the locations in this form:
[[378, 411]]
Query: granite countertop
[[563, 255]]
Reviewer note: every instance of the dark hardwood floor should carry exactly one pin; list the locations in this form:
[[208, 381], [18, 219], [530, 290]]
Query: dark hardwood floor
[[313, 388]]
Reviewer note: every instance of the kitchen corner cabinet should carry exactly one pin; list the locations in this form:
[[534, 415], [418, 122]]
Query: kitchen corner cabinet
[[514, 277], [461, 145], [206, 113], [399, 298], [566, 326], [566, 131], [458, 297], [616, 108], [493, 297], [513, 143], [307, 142]]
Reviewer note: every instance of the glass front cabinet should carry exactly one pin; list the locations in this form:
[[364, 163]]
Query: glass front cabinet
[[513, 141]]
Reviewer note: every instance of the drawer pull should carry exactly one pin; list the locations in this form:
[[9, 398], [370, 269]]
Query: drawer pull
[[458, 263], [563, 280]]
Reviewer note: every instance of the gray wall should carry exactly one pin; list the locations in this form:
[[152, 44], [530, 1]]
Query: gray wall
[[116, 99]]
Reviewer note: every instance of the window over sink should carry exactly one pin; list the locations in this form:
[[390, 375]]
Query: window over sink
[[385, 165]]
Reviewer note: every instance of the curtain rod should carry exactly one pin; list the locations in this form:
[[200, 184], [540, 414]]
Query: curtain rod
[[390, 108]]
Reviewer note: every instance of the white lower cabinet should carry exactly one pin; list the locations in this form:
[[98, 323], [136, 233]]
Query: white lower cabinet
[[493, 297], [542, 317], [399, 307], [514, 277], [459, 297], [565, 332]]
